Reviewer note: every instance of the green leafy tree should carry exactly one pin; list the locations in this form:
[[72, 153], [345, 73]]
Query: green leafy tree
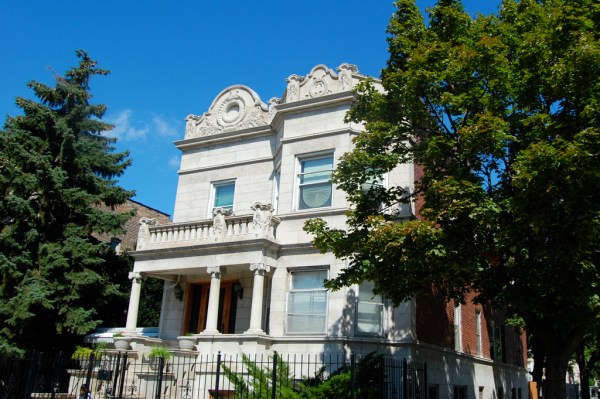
[[151, 299], [56, 168], [502, 113], [587, 357]]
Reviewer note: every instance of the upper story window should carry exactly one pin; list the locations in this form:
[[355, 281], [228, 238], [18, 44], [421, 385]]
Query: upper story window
[[222, 195], [307, 302], [276, 183], [314, 182], [478, 333], [369, 311], [458, 327], [497, 342], [373, 182]]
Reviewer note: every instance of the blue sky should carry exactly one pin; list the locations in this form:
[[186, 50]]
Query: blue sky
[[171, 59]]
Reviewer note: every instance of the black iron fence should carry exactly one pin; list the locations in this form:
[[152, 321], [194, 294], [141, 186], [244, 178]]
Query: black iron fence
[[128, 375]]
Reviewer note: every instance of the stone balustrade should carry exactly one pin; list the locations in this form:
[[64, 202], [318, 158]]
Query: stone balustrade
[[223, 227]]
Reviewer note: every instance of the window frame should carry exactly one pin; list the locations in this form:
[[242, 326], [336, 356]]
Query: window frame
[[458, 339], [478, 332], [298, 186], [214, 186], [372, 302], [292, 290]]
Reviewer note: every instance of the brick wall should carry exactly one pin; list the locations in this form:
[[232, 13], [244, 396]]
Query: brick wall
[[129, 238], [435, 325]]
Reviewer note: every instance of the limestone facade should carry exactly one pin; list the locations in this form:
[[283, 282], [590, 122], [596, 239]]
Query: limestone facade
[[240, 272]]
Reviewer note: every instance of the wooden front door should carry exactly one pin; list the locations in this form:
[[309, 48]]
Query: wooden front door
[[197, 308]]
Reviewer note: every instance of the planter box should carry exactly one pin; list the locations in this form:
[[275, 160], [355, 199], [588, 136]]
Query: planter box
[[122, 343], [187, 343]]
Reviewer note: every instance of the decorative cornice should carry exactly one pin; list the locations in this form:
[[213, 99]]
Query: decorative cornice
[[235, 108]]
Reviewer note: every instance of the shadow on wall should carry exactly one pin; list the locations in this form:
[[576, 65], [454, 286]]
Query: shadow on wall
[[349, 342]]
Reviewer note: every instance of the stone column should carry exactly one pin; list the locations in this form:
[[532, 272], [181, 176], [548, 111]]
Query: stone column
[[212, 314], [134, 302], [259, 269]]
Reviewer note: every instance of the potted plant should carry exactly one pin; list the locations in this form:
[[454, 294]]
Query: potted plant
[[84, 353], [120, 341], [158, 352]]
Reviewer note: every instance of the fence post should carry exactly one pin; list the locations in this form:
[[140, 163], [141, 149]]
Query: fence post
[[123, 371], [274, 376], [404, 379], [88, 377], [218, 375], [352, 375], [58, 365], [425, 386], [161, 365]]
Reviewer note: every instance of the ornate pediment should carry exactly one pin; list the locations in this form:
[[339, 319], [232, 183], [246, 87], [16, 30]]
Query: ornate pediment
[[321, 81], [235, 108]]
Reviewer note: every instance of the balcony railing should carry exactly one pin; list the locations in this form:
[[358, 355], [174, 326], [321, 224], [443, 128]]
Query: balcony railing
[[223, 227]]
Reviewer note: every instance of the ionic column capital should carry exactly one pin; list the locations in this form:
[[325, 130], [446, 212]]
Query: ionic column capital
[[135, 277], [259, 268], [215, 271]]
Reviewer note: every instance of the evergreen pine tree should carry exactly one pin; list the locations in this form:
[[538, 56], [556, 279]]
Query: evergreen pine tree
[[56, 168]]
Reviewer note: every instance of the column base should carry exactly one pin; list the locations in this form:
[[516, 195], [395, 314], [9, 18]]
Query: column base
[[254, 331], [210, 332]]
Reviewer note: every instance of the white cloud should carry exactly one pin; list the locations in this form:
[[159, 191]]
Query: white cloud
[[174, 162], [129, 127], [165, 128], [126, 128]]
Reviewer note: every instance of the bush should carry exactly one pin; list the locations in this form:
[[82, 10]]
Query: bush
[[368, 374]]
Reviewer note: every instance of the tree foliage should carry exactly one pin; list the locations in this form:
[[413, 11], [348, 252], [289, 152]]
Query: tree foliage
[[56, 167], [502, 113]]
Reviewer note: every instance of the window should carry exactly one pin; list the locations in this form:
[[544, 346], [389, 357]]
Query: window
[[307, 303], [497, 344], [369, 311], [460, 392], [276, 182], [458, 327], [223, 193], [314, 182], [518, 353], [373, 182], [115, 245], [478, 333]]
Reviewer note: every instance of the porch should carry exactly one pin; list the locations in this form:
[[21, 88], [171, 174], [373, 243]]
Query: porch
[[212, 268]]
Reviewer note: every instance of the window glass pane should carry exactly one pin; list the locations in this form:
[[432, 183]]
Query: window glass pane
[[315, 196], [318, 166], [224, 195], [369, 318], [307, 302], [308, 280], [316, 177], [365, 292], [369, 310], [306, 324], [315, 182]]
